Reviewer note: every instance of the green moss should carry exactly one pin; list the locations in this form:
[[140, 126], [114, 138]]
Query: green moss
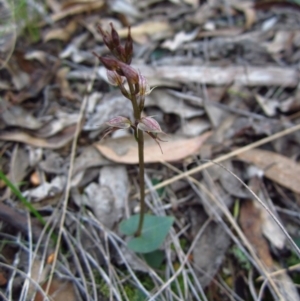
[[29, 21]]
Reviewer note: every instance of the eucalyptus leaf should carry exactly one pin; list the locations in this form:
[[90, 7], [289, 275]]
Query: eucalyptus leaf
[[154, 232]]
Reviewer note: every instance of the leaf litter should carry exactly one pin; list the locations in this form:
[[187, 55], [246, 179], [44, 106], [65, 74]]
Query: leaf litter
[[225, 77]]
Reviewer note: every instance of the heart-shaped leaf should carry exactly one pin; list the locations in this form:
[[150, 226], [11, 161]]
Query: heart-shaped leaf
[[154, 232]]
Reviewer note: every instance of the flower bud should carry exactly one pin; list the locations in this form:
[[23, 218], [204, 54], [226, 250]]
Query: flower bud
[[149, 124], [119, 122], [114, 36], [128, 48], [109, 62], [130, 73], [107, 39]]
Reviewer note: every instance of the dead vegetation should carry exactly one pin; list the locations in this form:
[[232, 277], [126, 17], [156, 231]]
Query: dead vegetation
[[226, 78]]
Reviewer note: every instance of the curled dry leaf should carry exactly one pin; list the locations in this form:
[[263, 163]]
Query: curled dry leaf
[[54, 142], [124, 149], [249, 12], [278, 168]]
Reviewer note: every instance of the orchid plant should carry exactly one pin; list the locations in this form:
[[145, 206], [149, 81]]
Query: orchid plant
[[150, 231]]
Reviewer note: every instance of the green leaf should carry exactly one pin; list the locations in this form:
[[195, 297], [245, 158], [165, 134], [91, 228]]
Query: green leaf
[[155, 258], [154, 232]]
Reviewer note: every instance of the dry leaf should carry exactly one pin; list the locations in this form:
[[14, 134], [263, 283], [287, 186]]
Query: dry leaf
[[249, 12], [77, 9], [154, 29], [54, 142], [281, 42], [108, 198], [270, 228], [60, 290], [278, 168], [269, 106], [250, 221], [124, 149], [287, 287], [210, 248], [17, 116], [38, 274], [62, 34]]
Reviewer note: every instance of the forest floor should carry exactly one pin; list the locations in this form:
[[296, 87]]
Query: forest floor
[[226, 79]]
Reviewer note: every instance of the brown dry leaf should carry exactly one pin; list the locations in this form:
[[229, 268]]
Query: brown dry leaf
[[77, 9], [250, 220], [3, 279], [54, 142], [124, 149], [60, 290], [249, 12], [154, 29], [63, 83], [62, 34], [281, 41], [278, 168]]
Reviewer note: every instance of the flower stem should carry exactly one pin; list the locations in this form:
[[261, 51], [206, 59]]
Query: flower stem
[[140, 140], [142, 181]]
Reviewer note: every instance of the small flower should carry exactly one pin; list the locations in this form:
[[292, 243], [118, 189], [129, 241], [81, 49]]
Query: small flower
[[114, 78], [119, 122], [149, 124], [152, 128]]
